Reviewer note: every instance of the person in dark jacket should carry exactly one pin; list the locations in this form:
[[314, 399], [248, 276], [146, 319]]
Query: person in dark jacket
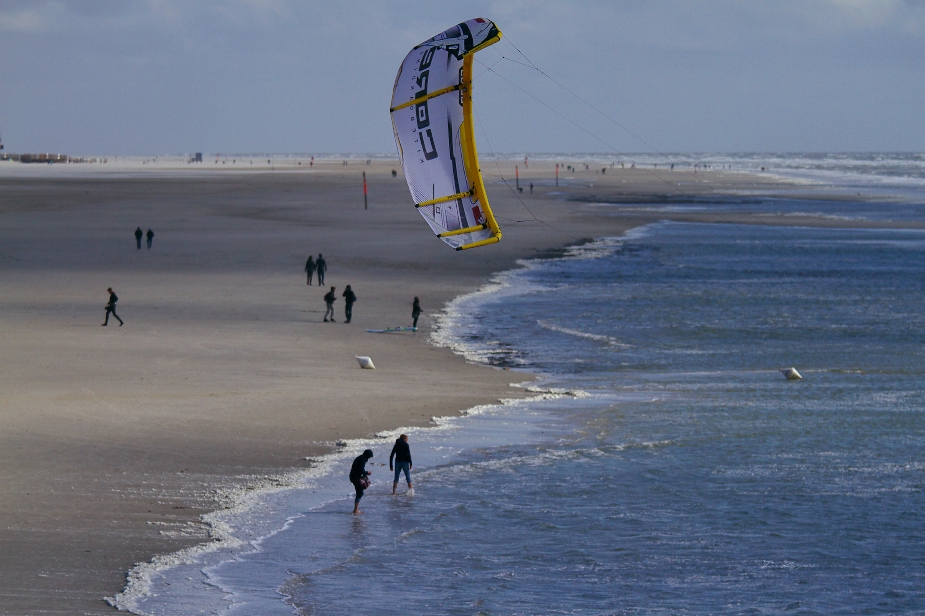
[[402, 454], [310, 269], [329, 298], [111, 308], [150, 236], [138, 235], [349, 298], [322, 266], [416, 312], [358, 477]]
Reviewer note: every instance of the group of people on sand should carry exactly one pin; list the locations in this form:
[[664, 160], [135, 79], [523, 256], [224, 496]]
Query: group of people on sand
[[140, 234], [320, 266], [359, 476]]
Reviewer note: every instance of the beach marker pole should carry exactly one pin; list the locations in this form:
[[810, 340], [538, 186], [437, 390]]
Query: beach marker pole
[[557, 174], [516, 177], [365, 202]]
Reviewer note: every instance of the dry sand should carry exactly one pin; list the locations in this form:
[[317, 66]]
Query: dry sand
[[114, 440]]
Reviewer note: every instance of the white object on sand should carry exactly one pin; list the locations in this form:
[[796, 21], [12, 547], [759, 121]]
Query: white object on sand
[[365, 362], [410, 491], [791, 374]]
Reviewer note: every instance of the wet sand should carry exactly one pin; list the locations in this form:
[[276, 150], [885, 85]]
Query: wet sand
[[113, 441]]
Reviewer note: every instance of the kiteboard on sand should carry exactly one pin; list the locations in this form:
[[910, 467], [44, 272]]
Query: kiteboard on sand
[[432, 119], [392, 330]]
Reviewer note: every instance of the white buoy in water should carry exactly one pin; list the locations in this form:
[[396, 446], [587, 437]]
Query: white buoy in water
[[365, 362], [791, 374]]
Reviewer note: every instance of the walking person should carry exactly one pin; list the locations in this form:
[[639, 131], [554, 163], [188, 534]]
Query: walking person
[[359, 477], [322, 268], [111, 308], [138, 235], [416, 312], [329, 298], [150, 236], [402, 454], [310, 269], [349, 298]]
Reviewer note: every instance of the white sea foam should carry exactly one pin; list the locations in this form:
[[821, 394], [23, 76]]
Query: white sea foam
[[608, 340]]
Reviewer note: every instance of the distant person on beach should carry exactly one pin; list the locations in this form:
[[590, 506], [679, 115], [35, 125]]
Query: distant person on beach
[[111, 308], [322, 266], [349, 298], [150, 236], [402, 454], [329, 298], [416, 312], [309, 269], [138, 235], [359, 477]]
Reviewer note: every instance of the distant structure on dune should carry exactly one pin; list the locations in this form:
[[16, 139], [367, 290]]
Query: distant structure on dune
[[47, 158], [196, 158]]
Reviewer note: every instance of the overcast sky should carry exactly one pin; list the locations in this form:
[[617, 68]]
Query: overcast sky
[[173, 76]]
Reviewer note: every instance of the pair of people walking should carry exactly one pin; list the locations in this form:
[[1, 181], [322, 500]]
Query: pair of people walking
[[312, 266], [140, 234], [330, 297], [359, 476]]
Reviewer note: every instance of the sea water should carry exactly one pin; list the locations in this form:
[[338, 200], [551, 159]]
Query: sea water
[[669, 467]]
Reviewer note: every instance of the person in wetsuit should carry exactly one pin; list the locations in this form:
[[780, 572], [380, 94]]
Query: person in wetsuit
[[416, 312], [349, 298], [358, 473], [402, 454], [111, 308]]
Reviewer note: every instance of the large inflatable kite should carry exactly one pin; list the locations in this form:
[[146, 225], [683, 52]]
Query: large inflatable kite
[[432, 119]]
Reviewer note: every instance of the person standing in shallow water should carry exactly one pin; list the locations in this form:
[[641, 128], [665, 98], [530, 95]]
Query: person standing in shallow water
[[349, 298], [416, 312], [138, 235], [310, 269], [401, 451], [322, 268], [329, 298], [150, 236], [359, 477], [111, 308]]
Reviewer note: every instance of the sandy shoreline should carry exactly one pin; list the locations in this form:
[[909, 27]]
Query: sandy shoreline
[[116, 440]]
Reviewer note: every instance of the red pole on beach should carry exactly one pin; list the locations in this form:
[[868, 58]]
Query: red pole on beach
[[365, 202], [557, 174]]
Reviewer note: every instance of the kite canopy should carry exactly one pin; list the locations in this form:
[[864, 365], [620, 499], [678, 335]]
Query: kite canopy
[[432, 119]]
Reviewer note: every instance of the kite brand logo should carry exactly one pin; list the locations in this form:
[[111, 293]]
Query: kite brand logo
[[421, 112]]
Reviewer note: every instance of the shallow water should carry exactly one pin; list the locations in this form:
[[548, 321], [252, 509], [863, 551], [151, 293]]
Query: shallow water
[[691, 478]]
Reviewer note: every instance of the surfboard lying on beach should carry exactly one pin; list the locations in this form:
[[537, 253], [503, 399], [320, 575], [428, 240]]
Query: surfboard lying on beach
[[391, 330], [432, 120]]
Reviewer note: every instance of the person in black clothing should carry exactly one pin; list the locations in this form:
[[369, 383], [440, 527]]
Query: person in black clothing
[[150, 236], [322, 266], [111, 308], [310, 269], [138, 234], [402, 454], [349, 298], [358, 477], [416, 312], [329, 298]]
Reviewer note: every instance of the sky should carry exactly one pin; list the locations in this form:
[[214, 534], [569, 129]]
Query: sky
[[146, 77]]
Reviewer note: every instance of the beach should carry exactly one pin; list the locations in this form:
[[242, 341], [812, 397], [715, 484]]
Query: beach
[[224, 376]]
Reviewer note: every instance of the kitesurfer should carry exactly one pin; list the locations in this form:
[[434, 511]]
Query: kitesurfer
[[349, 298], [310, 269], [150, 236], [416, 312], [111, 307], [329, 298], [322, 266], [402, 454], [138, 235], [359, 477]]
